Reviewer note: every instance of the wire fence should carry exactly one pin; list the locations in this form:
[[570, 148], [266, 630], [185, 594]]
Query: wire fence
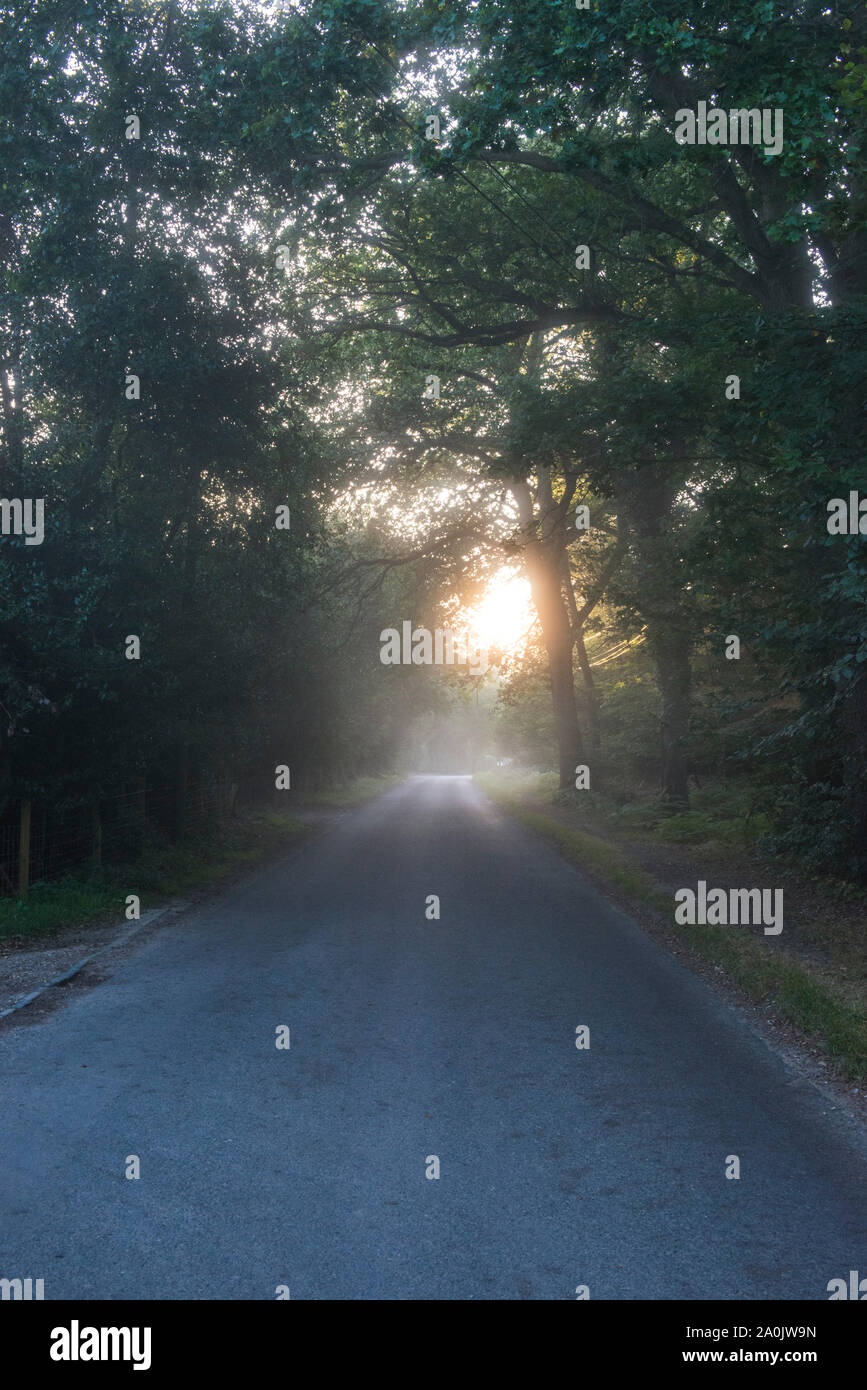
[[40, 842]]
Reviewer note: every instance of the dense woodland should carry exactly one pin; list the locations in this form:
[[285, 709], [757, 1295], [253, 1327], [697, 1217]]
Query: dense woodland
[[230, 305]]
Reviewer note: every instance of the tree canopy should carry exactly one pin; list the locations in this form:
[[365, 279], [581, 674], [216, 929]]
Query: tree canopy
[[313, 319]]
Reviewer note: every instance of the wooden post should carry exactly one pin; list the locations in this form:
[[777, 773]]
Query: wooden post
[[179, 808], [96, 824], [24, 850]]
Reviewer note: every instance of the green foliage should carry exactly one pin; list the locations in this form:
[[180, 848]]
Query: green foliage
[[303, 387]]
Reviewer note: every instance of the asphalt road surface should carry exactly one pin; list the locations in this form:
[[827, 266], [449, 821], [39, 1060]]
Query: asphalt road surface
[[413, 1038]]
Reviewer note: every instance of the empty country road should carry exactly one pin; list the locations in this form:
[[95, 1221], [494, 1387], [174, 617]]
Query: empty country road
[[412, 1038]]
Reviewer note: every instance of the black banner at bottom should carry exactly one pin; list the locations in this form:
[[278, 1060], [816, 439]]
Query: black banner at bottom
[[157, 1339]]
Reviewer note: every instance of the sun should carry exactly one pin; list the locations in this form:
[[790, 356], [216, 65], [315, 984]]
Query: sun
[[504, 615]]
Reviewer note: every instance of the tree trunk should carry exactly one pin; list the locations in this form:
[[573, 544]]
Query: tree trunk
[[671, 649], [648, 501], [544, 576], [590, 695], [544, 560]]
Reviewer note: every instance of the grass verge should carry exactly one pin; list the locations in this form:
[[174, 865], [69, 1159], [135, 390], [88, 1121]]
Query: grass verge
[[362, 789], [164, 870]]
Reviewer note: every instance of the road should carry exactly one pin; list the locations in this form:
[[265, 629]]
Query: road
[[306, 1166]]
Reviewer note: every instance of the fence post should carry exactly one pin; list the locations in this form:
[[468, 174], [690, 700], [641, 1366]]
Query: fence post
[[24, 850], [96, 825], [181, 792]]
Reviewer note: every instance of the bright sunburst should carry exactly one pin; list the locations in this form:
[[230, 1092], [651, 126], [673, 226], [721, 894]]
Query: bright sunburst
[[504, 615]]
